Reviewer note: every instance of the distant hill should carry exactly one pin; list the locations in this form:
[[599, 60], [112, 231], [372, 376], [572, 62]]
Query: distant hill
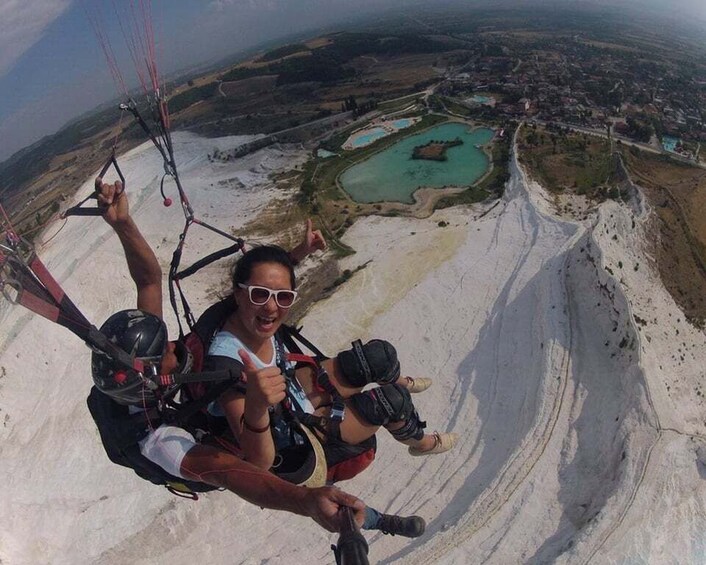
[[201, 102]]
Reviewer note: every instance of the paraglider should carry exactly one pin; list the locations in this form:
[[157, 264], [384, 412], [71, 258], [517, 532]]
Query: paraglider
[[156, 374]]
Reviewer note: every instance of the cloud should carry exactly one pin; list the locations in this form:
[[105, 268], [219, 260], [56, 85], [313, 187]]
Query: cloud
[[22, 23]]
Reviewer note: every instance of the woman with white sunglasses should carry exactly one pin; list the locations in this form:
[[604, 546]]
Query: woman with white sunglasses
[[264, 289]]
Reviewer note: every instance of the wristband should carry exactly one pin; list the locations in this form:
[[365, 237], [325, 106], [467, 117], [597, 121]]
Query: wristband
[[253, 429]]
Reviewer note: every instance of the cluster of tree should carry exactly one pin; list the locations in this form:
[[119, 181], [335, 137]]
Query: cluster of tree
[[365, 107], [435, 150], [351, 105], [328, 63], [491, 50], [321, 66], [307, 191], [637, 129], [533, 138]]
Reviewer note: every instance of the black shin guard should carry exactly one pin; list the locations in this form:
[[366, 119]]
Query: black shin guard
[[374, 362], [388, 404], [413, 429]]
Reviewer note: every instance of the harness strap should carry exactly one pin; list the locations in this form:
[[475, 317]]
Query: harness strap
[[184, 413], [302, 358], [201, 263], [323, 384], [289, 333], [290, 411], [174, 283], [79, 209], [204, 376], [38, 291]]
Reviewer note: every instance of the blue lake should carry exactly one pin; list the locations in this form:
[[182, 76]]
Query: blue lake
[[393, 176]]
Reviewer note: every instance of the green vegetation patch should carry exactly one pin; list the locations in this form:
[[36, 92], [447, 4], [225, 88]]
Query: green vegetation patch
[[327, 64], [191, 96], [435, 150], [562, 160], [322, 66]]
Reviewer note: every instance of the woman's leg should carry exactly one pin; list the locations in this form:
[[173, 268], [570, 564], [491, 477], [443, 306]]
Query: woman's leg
[[426, 443], [353, 429], [307, 378], [358, 425], [391, 406]]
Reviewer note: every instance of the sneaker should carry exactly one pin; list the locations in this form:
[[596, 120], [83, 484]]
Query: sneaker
[[409, 527], [419, 384], [442, 442]]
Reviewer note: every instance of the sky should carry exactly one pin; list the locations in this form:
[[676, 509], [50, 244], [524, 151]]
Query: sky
[[52, 68]]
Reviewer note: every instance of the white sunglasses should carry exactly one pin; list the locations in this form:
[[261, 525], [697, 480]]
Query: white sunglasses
[[259, 295]]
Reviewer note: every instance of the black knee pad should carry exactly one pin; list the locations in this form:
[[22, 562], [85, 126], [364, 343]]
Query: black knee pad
[[390, 403], [413, 428], [374, 362]]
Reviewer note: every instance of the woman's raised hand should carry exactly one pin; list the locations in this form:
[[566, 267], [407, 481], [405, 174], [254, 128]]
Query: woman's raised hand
[[312, 241], [265, 387]]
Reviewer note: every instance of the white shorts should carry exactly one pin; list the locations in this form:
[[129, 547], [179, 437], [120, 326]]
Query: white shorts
[[166, 446]]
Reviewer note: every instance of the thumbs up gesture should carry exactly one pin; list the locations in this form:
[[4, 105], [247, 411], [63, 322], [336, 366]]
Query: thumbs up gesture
[[264, 387]]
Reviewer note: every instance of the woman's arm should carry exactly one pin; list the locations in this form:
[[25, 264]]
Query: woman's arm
[[246, 406], [255, 439]]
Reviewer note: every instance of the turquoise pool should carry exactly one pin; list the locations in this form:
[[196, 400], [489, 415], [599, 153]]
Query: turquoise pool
[[669, 143], [402, 123], [393, 176], [373, 134], [479, 99]]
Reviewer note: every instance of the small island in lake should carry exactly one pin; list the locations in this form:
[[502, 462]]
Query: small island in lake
[[435, 150]]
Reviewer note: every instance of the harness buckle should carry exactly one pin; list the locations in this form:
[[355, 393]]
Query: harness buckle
[[338, 409]]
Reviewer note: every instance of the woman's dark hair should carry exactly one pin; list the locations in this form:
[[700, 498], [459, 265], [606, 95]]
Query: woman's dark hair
[[263, 254]]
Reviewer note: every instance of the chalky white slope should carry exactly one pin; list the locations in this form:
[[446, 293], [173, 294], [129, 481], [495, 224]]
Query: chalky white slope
[[556, 354]]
